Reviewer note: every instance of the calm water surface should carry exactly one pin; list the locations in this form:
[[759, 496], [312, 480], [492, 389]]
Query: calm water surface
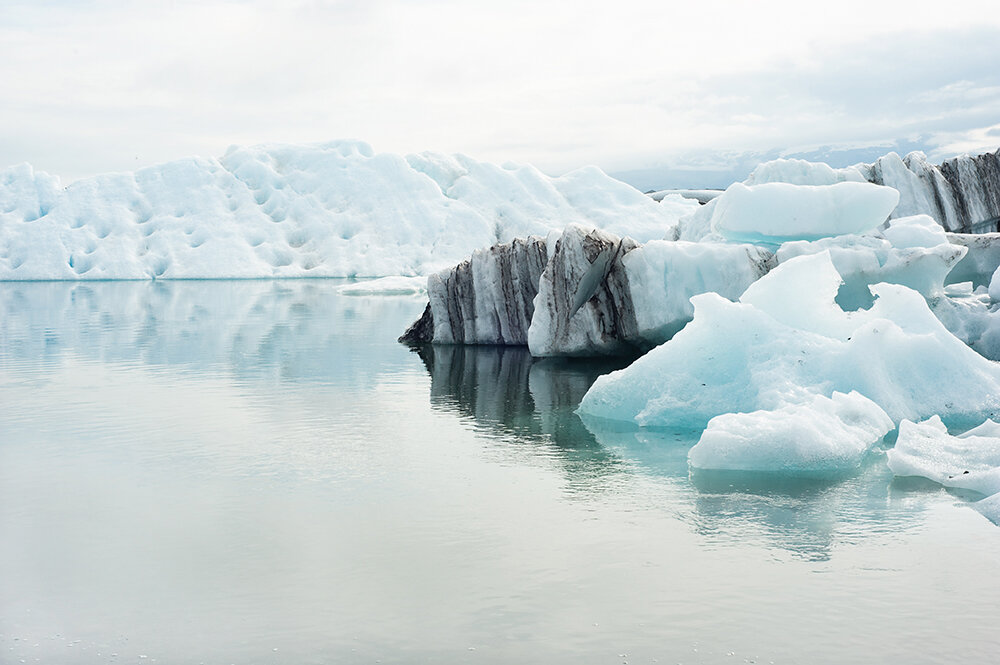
[[255, 472]]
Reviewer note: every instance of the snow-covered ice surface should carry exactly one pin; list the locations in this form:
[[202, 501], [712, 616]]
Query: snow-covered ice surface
[[327, 210]]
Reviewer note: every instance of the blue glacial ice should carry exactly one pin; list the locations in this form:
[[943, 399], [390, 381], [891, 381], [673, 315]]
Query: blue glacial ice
[[787, 340]]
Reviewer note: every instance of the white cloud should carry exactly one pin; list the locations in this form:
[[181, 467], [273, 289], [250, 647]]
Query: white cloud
[[110, 85]]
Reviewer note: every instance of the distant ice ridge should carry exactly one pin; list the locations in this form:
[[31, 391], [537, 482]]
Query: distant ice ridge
[[962, 194], [327, 210]]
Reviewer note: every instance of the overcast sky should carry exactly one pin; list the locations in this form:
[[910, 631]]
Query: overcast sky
[[88, 87]]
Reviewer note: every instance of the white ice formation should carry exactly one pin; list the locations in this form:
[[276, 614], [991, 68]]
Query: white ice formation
[[824, 435], [329, 210], [787, 340], [600, 293], [962, 194], [777, 212], [393, 285], [968, 461], [912, 251]]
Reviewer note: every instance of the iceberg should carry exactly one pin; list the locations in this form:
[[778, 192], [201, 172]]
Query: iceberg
[[981, 259], [336, 209], [583, 305], [386, 286], [823, 436], [969, 461], [600, 293], [488, 299], [961, 195], [912, 251], [786, 341], [777, 212], [582, 292]]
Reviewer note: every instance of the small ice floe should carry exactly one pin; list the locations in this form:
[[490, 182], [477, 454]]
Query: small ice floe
[[967, 461], [386, 286], [826, 435]]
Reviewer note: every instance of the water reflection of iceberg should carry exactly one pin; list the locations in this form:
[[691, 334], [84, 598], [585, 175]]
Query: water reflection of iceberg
[[292, 330], [808, 517], [516, 399], [519, 400]]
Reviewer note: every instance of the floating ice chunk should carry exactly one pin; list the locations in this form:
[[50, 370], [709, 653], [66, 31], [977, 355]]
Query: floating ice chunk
[[601, 294], [786, 341], [825, 435], [489, 298], [663, 275], [582, 296], [777, 212], [969, 462], [801, 172], [386, 286]]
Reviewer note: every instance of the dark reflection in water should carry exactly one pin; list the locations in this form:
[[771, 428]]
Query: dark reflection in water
[[504, 392], [521, 400]]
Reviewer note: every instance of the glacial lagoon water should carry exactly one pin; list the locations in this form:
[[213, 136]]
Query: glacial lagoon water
[[256, 472]]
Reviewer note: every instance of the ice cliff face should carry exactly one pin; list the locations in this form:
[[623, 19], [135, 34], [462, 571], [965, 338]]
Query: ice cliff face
[[488, 299], [597, 294], [962, 194]]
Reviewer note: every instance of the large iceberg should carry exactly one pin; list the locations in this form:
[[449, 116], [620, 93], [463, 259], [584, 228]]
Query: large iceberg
[[787, 340], [582, 292], [328, 210]]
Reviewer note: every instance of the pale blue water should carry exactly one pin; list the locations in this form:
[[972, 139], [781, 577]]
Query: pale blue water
[[256, 472]]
